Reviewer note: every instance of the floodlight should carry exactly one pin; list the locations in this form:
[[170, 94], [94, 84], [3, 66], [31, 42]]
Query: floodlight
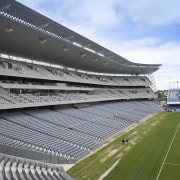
[[82, 54], [8, 29], [42, 40], [65, 49]]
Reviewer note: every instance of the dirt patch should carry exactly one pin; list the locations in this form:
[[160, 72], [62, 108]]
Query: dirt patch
[[111, 153], [127, 148], [155, 123], [162, 116], [144, 132], [133, 141], [134, 133], [103, 159], [120, 155], [107, 151]]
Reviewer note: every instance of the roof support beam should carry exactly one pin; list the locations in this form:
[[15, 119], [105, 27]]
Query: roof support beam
[[2, 9]]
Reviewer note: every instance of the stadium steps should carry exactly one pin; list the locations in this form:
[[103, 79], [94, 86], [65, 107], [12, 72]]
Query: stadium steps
[[29, 170]]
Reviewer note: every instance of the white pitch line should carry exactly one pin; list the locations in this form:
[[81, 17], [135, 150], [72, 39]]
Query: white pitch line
[[109, 170], [167, 153], [172, 164]]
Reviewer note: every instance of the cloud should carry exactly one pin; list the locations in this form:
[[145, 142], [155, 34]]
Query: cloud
[[130, 28], [166, 76], [167, 53], [150, 50], [32, 4], [152, 13], [103, 13], [99, 13]]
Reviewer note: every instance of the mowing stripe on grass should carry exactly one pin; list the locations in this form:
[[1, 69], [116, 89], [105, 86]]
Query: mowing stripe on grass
[[163, 149], [167, 153], [151, 153], [148, 135]]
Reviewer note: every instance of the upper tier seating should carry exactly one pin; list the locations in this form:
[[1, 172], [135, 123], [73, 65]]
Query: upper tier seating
[[22, 69]]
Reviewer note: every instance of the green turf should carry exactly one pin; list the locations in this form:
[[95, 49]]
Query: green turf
[[141, 158]]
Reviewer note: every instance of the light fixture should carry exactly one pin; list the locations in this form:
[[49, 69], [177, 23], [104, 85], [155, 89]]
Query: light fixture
[[82, 54], [95, 59], [65, 49], [43, 26], [2, 9], [8, 29], [88, 45], [70, 37], [42, 40]]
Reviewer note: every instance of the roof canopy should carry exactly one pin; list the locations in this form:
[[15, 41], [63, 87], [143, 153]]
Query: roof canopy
[[28, 34]]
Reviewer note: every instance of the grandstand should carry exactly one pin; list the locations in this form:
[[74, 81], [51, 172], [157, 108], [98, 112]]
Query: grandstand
[[173, 100], [62, 96]]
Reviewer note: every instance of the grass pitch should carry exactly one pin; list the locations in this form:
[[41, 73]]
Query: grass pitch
[[151, 153]]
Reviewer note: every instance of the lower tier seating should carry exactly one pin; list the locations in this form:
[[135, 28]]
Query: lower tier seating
[[71, 133]]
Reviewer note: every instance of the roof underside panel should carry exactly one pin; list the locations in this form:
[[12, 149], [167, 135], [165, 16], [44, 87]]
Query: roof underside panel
[[28, 34]]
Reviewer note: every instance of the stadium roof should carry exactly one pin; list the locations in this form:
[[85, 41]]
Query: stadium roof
[[26, 33]]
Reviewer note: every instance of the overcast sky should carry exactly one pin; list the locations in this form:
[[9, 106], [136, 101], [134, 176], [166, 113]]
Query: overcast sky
[[142, 31]]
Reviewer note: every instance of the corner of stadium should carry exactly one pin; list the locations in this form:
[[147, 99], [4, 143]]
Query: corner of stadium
[[62, 96]]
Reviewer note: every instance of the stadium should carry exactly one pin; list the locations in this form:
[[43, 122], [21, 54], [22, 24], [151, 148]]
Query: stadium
[[63, 97]]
